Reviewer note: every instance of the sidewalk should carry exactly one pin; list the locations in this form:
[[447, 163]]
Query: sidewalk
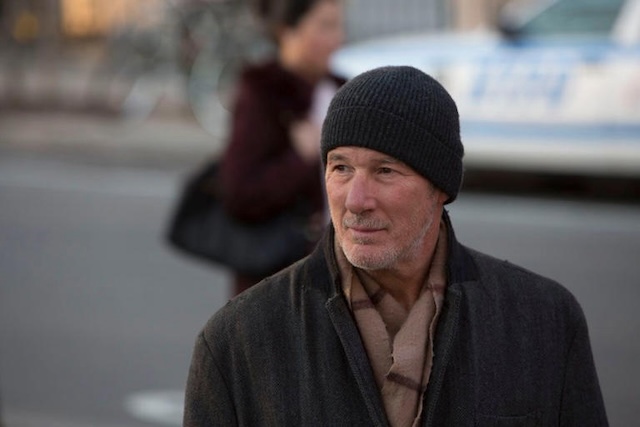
[[162, 140], [56, 105]]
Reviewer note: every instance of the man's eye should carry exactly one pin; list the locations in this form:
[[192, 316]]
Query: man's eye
[[385, 171], [339, 168]]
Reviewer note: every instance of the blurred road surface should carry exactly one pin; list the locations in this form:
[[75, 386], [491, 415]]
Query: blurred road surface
[[98, 316]]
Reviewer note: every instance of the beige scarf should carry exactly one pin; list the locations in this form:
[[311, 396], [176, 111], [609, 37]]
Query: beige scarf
[[399, 343]]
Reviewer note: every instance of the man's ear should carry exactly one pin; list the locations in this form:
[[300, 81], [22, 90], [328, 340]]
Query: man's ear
[[442, 196]]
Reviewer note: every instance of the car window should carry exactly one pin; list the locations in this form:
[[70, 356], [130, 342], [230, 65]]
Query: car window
[[594, 17]]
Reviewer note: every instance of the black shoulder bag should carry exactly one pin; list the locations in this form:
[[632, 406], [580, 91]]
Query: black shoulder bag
[[200, 227]]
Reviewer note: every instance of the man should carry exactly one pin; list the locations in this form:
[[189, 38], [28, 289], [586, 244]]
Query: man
[[391, 321]]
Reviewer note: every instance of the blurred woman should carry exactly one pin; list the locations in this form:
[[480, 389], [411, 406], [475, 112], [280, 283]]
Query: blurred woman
[[272, 161]]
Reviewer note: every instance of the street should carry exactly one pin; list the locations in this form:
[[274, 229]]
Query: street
[[95, 309], [98, 316]]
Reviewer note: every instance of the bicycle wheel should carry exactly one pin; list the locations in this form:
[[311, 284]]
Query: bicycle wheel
[[211, 91], [140, 65]]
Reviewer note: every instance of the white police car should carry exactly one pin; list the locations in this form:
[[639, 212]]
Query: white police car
[[556, 92]]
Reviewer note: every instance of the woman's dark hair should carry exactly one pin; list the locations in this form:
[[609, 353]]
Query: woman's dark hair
[[276, 14]]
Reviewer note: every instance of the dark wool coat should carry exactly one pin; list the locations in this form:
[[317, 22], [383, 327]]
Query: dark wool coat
[[511, 349], [261, 174]]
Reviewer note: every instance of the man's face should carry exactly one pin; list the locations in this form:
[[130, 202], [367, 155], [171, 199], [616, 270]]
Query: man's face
[[382, 209]]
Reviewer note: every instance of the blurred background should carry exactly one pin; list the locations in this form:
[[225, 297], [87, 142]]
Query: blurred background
[[106, 106]]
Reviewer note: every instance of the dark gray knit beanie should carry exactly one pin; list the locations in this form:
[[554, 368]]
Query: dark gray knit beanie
[[402, 112]]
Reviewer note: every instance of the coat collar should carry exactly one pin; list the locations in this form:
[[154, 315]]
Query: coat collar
[[270, 74], [460, 269]]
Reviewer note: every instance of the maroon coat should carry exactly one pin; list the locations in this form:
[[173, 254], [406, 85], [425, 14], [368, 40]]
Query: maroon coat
[[261, 173]]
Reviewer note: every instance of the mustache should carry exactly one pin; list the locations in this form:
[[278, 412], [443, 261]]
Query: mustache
[[360, 221]]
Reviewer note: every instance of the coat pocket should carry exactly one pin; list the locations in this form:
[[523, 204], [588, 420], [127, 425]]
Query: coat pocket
[[532, 419]]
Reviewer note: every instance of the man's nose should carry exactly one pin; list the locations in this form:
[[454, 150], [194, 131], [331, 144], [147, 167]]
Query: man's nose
[[360, 196]]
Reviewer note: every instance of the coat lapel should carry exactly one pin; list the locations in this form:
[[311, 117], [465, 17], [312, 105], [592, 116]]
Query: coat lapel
[[445, 337], [357, 358]]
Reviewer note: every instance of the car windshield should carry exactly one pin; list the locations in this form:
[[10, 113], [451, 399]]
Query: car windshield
[[595, 17]]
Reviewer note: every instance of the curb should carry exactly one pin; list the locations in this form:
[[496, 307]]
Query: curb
[[160, 138]]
